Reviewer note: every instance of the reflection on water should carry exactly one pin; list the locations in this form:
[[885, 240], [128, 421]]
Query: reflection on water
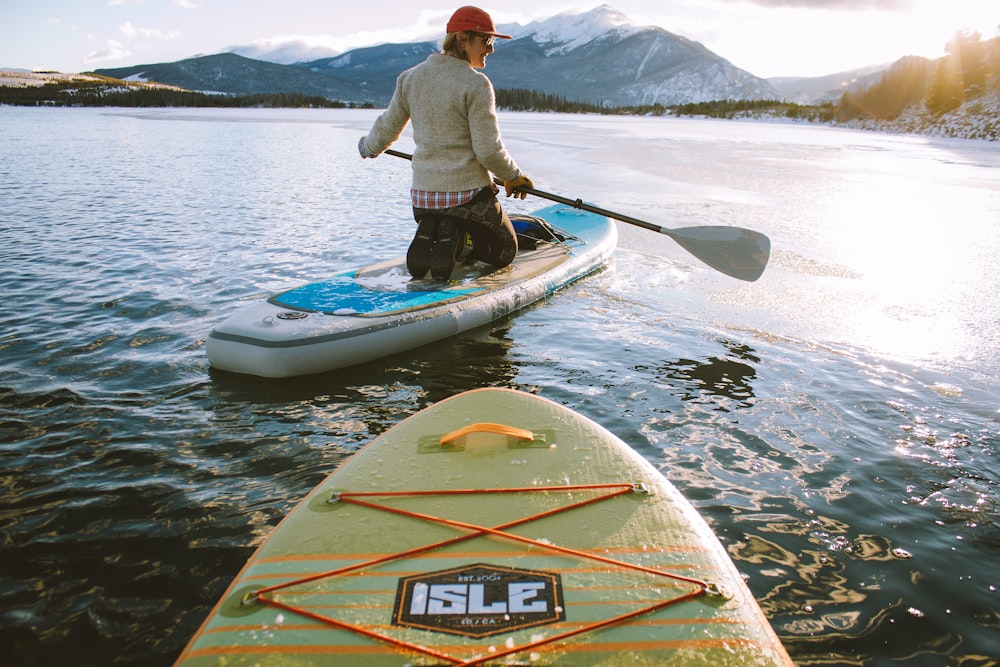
[[712, 377]]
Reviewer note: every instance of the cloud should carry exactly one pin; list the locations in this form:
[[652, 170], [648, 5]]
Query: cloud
[[187, 4], [112, 50], [134, 31], [115, 3]]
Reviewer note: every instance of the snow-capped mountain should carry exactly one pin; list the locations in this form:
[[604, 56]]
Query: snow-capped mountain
[[286, 52], [564, 32], [599, 56], [570, 28]]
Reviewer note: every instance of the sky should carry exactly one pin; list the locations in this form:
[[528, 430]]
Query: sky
[[767, 38]]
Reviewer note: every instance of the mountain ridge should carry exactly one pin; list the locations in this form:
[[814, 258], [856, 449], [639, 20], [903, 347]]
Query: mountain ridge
[[826, 88]]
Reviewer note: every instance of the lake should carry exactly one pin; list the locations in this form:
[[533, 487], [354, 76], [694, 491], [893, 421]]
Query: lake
[[836, 422]]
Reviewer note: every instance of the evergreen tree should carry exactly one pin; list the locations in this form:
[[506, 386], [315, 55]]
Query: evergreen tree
[[969, 52], [904, 85], [993, 61], [944, 92]]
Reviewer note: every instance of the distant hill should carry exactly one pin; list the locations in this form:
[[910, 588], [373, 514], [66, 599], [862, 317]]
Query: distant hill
[[829, 88], [22, 88], [235, 75]]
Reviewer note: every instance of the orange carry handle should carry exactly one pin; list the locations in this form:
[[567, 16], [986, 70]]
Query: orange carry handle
[[487, 427]]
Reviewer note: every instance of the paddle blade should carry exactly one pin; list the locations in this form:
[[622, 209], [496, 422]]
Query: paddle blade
[[737, 252]]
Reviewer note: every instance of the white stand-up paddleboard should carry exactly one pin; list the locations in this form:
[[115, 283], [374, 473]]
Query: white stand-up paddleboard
[[376, 311], [493, 528]]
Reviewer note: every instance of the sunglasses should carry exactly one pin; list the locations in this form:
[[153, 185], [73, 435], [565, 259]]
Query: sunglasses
[[487, 39]]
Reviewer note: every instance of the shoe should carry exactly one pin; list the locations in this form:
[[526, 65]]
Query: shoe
[[449, 240], [418, 256]]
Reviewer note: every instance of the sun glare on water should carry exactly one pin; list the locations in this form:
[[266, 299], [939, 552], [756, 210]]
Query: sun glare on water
[[920, 258]]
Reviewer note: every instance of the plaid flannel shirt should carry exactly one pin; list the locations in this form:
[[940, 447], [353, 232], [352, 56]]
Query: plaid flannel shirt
[[440, 200]]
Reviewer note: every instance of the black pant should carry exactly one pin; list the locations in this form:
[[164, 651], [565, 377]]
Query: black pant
[[493, 237]]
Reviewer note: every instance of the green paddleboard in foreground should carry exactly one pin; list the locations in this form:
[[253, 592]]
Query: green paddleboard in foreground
[[493, 528]]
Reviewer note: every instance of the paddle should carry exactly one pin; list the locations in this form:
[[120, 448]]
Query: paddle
[[735, 251]]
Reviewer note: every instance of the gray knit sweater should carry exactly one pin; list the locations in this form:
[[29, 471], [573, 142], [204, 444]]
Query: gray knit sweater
[[455, 130]]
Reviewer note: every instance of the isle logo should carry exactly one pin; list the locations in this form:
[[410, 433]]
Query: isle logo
[[478, 600]]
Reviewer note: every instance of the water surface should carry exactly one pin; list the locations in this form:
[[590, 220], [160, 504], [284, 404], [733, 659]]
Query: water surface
[[835, 422]]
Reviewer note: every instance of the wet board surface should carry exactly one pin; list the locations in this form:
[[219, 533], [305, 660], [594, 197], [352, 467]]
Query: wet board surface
[[493, 528]]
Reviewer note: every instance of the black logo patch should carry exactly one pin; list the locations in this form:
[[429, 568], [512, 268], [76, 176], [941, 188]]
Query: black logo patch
[[479, 600]]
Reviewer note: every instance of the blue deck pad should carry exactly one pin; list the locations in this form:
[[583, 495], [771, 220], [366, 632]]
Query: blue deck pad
[[383, 290], [344, 295]]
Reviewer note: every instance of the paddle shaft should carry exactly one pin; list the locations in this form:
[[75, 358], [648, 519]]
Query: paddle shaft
[[737, 252]]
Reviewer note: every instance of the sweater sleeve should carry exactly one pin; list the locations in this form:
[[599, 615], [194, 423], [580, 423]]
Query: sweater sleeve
[[484, 128], [390, 124]]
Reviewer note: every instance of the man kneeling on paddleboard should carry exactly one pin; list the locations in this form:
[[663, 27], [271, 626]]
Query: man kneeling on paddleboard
[[457, 147]]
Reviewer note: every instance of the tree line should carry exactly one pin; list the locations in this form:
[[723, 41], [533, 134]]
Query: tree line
[[112, 92], [523, 99], [518, 99]]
